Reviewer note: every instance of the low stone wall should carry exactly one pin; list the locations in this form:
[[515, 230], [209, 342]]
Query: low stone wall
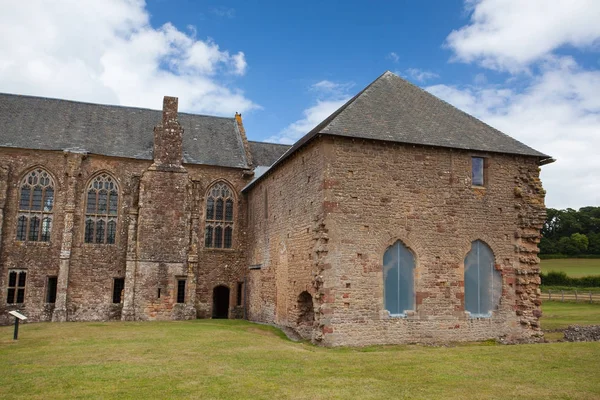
[[577, 333]]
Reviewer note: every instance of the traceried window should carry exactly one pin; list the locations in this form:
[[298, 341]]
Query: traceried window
[[219, 217], [483, 282], [36, 200], [15, 293], [398, 279], [102, 205]]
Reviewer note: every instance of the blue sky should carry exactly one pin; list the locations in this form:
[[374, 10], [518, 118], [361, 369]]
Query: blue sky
[[529, 68], [289, 47]]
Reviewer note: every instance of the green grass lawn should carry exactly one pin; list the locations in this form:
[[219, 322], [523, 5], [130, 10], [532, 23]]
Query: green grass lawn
[[236, 360], [558, 315], [573, 267]]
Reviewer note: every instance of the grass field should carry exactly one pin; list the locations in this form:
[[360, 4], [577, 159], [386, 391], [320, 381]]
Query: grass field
[[237, 360], [573, 267], [558, 315]]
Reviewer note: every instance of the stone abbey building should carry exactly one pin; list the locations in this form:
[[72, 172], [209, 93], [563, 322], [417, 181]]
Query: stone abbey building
[[397, 219]]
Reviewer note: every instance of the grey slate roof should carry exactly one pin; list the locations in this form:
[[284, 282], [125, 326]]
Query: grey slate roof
[[265, 154], [393, 109], [50, 124]]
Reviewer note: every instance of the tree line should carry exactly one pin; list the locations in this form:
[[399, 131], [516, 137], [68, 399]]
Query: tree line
[[571, 232]]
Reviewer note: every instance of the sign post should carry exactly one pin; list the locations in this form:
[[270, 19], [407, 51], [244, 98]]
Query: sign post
[[18, 317]]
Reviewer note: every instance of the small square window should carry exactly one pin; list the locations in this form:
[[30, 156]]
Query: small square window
[[477, 171]]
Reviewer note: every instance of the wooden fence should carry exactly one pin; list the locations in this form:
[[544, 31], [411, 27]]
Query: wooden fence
[[571, 295]]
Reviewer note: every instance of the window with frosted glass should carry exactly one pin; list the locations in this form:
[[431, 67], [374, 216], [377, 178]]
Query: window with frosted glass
[[101, 210], [477, 171], [483, 283], [398, 278], [36, 201], [218, 232]]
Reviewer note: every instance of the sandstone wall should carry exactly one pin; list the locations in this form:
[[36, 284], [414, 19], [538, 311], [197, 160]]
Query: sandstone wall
[[377, 193], [89, 268], [284, 211]]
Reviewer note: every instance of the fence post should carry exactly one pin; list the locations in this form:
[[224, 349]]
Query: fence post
[[590, 296], [549, 294], [575, 294], [562, 295]]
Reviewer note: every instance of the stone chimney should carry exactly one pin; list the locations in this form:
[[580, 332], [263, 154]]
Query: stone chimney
[[168, 138], [240, 125]]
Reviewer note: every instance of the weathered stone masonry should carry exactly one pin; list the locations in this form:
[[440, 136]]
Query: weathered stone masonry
[[159, 235], [309, 224], [421, 196], [371, 193]]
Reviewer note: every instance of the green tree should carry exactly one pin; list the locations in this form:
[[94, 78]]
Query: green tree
[[580, 241], [548, 246], [566, 246], [594, 243]]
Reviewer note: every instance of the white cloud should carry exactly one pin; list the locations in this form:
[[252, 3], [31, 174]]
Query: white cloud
[[312, 117], [558, 113], [330, 97], [553, 107], [239, 62], [393, 56], [224, 12], [511, 34], [331, 90], [107, 52], [480, 79], [420, 75]]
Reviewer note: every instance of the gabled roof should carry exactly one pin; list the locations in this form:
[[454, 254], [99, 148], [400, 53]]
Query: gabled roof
[[51, 124], [265, 154], [394, 110]]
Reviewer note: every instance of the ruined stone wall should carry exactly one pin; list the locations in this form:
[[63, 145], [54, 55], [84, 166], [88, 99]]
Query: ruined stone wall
[[284, 211], [378, 193], [89, 268]]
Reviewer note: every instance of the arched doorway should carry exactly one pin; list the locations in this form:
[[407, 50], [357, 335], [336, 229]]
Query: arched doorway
[[220, 302], [306, 314]]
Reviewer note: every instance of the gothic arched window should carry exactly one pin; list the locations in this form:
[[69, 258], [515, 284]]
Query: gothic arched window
[[219, 217], [101, 210], [36, 200], [398, 279], [483, 282]]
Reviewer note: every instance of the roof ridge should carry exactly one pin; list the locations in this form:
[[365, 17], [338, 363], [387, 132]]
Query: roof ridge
[[337, 112], [276, 144], [88, 103]]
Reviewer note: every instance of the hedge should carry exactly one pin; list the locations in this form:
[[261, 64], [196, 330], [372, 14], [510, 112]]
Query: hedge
[[554, 278]]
